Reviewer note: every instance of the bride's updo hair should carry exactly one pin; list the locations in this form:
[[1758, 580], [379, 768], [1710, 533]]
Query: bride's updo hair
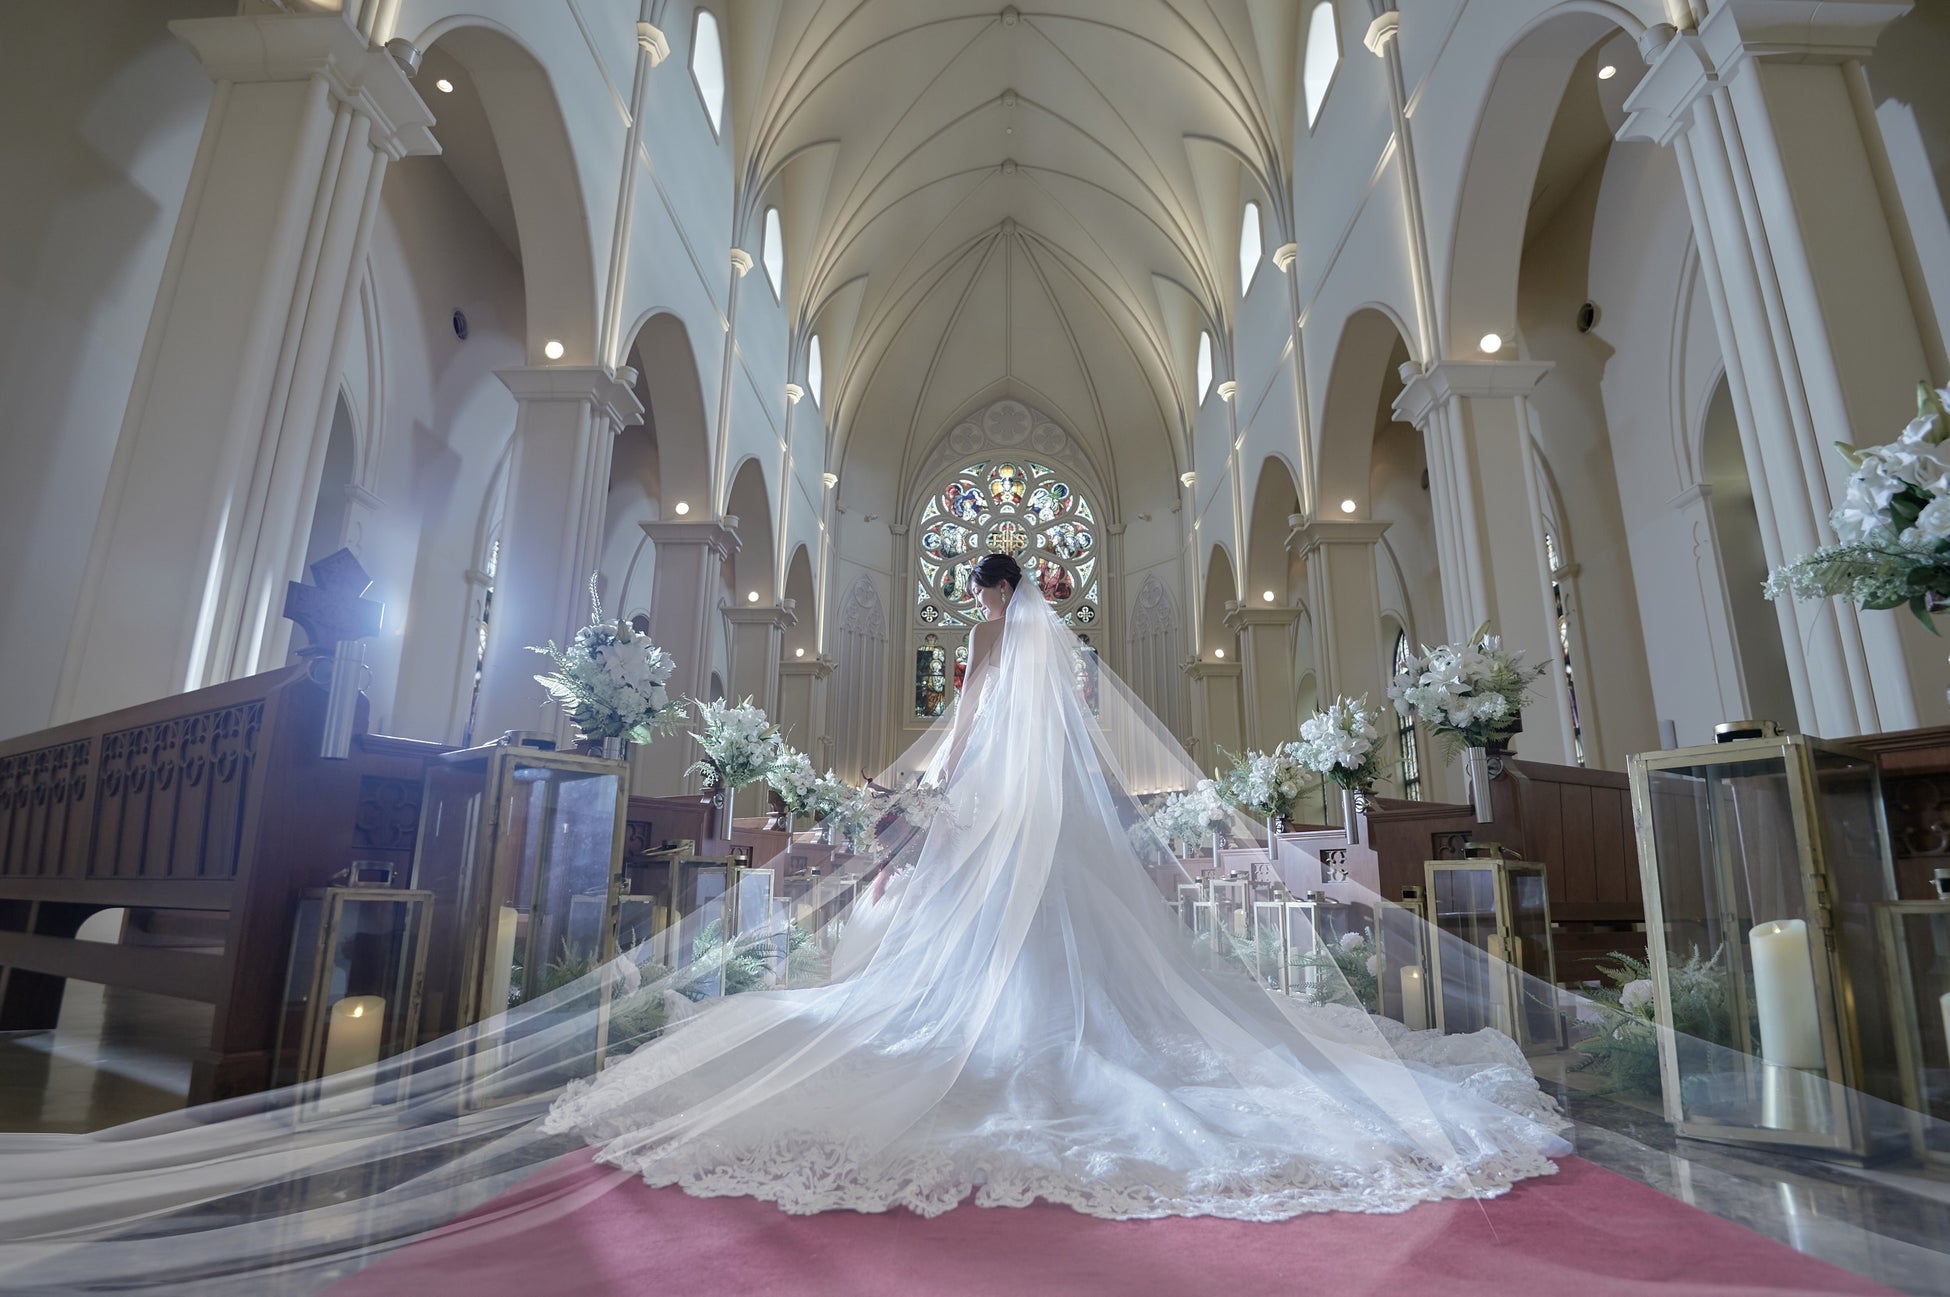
[[995, 570]]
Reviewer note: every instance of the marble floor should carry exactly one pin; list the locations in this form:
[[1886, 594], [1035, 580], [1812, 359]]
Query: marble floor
[[119, 1055]]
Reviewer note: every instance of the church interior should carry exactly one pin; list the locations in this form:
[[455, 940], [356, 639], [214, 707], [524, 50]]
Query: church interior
[[354, 347]]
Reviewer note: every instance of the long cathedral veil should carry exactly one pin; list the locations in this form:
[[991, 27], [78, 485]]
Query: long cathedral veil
[[1016, 961]]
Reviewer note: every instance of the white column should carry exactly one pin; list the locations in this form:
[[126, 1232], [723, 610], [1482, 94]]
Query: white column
[[691, 556], [803, 686], [566, 421], [1216, 720], [1267, 684], [208, 503], [1488, 503], [757, 648], [1344, 593], [1767, 113]]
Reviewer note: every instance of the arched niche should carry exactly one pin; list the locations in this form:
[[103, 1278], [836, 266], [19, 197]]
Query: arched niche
[[751, 569], [1217, 641], [672, 394], [802, 637], [1269, 566], [1364, 379]]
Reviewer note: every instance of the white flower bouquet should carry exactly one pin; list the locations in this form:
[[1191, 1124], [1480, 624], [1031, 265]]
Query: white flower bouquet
[[1192, 816], [740, 745], [1269, 784], [793, 778], [829, 793], [1343, 742], [610, 680], [1893, 523], [877, 822], [1470, 692]]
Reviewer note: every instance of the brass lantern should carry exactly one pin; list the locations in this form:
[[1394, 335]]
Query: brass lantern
[[1915, 942], [352, 985], [1493, 964], [528, 844], [1763, 858]]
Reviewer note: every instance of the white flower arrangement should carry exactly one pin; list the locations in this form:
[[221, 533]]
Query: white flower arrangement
[[1342, 742], [1269, 784], [793, 778], [610, 680], [1470, 691], [1191, 816], [877, 822], [829, 793], [740, 745], [1893, 523]]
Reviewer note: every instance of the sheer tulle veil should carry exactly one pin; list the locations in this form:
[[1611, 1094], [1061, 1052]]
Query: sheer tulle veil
[[1015, 1015]]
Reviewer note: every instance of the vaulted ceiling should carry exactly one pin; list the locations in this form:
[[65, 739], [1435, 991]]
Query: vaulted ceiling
[[982, 201]]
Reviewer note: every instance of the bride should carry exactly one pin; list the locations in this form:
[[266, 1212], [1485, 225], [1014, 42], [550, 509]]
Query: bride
[[1015, 1015]]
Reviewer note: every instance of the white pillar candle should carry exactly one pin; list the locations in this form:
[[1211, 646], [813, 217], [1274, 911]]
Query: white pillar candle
[[1784, 995], [501, 965], [1415, 1004], [354, 1031]]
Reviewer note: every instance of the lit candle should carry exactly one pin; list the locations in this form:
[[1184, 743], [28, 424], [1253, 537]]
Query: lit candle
[[1415, 1004], [1784, 995], [353, 1033], [501, 969]]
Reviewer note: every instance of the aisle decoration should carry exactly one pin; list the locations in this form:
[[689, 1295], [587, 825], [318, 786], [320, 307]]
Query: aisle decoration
[[1342, 744], [610, 680], [1470, 693], [795, 781], [1352, 963], [1893, 524], [740, 745], [1269, 785], [1623, 1018], [1187, 818]]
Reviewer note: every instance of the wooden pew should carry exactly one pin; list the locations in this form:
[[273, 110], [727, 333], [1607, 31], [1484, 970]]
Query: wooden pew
[[1916, 799], [205, 816]]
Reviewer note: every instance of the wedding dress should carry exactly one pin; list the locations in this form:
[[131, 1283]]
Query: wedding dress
[[1018, 1016]]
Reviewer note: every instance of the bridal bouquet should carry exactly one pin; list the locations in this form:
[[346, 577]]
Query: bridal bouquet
[[610, 680], [1343, 743], [792, 777], [740, 745], [1893, 523], [1269, 784], [1470, 691]]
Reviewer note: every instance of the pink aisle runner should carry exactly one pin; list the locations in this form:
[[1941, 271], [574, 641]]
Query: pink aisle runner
[[579, 1229]]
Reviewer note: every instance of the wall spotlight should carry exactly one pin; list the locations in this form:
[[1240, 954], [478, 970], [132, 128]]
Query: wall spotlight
[[1218, 653], [1267, 595], [798, 652], [444, 86], [1348, 506], [553, 349], [751, 596], [682, 508], [1491, 343], [1607, 72]]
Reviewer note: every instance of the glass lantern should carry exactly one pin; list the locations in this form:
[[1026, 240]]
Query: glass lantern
[[722, 906], [1915, 944], [1231, 899], [1284, 939], [352, 985], [1493, 964], [1401, 940], [528, 844], [1763, 857]]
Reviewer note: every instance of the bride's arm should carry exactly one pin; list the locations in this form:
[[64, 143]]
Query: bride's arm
[[981, 654]]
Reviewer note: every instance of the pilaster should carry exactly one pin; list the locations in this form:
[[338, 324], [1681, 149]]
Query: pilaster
[[1266, 675]]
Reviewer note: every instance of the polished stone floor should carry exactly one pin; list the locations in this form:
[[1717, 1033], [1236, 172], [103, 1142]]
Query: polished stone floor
[[119, 1055]]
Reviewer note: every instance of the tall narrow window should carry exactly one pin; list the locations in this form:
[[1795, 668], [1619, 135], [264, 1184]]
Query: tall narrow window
[[1563, 615], [1323, 56], [480, 645], [774, 253], [1405, 731], [1250, 248], [1204, 366], [707, 67], [815, 373]]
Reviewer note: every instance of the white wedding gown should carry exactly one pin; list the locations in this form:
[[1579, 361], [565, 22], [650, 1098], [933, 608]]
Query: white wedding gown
[[1021, 1018]]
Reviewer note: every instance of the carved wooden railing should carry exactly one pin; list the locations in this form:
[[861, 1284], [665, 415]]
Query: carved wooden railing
[[205, 816]]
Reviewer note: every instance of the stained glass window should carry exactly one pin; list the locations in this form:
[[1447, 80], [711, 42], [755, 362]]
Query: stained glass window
[[1564, 644], [480, 643], [1405, 731], [930, 678], [1027, 510]]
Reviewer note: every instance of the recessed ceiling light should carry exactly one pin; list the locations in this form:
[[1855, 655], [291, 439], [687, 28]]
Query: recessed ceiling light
[[1607, 72], [553, 349], [1491, 343], [1218, 653], [682, 508], [751, 596], [444, 86], [1348, 506], [1268, 596], [798, 653]]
